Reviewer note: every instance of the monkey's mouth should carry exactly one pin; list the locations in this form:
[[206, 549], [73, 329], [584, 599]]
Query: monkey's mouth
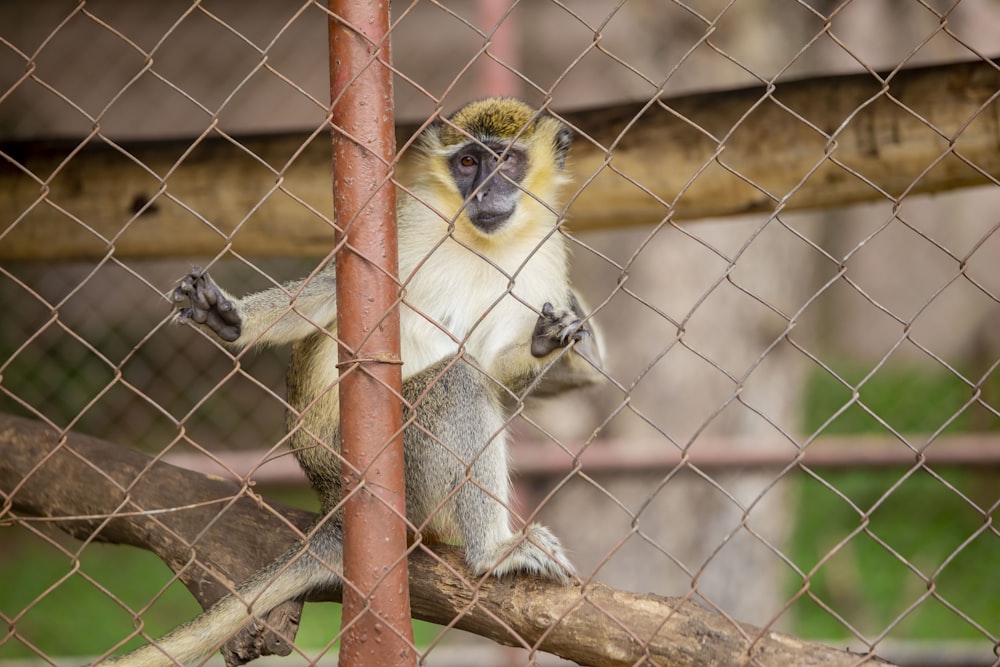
[[489, 222]]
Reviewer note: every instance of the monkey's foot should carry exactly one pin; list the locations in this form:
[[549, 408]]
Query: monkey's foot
[[208, 305], [259, 639], [535, 551]]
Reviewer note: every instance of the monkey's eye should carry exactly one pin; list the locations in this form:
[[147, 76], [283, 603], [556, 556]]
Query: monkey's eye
[[467, 161]]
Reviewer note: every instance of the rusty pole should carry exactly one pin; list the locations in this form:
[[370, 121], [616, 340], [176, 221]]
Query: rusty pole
[[377, 628]]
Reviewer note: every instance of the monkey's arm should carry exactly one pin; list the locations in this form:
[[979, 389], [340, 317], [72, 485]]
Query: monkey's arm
[[540, 366], [274, 316]]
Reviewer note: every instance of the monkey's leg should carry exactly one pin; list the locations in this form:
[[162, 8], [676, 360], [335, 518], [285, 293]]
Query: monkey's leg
[[457, 476], [482, 506], [291, 576]]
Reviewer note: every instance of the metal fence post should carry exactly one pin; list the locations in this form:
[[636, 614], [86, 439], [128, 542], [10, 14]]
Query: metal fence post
[[377, 628]]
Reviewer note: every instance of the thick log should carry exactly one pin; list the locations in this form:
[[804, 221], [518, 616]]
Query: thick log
[[816, 143], [212, 530]]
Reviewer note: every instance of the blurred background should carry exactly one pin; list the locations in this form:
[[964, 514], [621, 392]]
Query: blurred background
[[865, 334]]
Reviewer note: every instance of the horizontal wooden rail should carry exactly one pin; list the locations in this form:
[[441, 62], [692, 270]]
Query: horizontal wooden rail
[[815, 143], [544, 458]]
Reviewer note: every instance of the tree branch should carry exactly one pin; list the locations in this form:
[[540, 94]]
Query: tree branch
[[212, 532]]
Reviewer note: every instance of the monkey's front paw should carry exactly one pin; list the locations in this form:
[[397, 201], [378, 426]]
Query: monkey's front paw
[[535, 551], [207, 304], [557, 328]]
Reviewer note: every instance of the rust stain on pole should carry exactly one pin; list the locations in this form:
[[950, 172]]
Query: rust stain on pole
[[376, 598]]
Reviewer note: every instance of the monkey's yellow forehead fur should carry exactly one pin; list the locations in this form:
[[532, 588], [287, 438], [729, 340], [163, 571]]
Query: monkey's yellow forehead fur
[[502, 118]]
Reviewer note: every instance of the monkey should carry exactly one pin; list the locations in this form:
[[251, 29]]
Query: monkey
[[487, 316]]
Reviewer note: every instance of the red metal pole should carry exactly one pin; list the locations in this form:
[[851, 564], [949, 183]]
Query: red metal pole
[[377, 628]]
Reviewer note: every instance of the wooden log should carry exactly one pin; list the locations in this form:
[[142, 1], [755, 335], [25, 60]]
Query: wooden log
[[816, 143]]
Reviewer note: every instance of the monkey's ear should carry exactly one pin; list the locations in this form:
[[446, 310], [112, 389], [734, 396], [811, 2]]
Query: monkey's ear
[[434, 127], [563, 140], [429, 140]]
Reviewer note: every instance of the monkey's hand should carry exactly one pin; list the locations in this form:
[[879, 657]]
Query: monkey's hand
[[557, 328], [535, 551], [207, 305]]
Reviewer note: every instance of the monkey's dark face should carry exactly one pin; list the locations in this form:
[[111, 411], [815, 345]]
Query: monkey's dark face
[[488, 178]]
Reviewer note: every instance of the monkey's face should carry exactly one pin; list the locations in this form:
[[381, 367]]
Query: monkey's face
[[488, 176]]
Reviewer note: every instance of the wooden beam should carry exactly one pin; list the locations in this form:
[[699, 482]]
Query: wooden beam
[[816, 143], [808, 144]]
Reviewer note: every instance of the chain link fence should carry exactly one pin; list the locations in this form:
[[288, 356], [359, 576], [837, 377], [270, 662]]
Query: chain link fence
[[798, 427]]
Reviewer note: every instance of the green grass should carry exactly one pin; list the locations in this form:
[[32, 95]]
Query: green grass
[[56, 606], [907, 399], [914, 542]]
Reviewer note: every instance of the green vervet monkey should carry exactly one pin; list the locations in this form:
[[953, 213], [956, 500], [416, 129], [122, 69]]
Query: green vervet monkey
[[486, 316]]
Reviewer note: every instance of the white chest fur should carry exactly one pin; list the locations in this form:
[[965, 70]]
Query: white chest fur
[[456, 298]]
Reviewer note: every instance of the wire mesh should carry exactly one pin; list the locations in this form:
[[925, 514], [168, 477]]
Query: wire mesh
[[796, 423]]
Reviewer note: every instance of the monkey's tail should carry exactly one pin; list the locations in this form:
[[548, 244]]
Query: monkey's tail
[[293, 575]]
